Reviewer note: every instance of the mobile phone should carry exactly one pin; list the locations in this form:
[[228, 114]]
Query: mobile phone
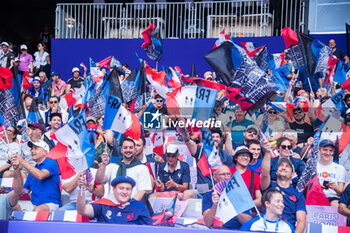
[[325, 183]]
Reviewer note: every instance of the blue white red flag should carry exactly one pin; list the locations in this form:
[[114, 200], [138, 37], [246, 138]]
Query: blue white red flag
[[222, 38], [193, 102], [342, 72], [275, 60], [96, 73], [249, 47], [30, 215], [234, 200], [120, 119], [67, 216]]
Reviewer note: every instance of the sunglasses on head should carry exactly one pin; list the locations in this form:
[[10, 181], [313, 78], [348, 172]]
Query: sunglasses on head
[[272, 112], [53, 102], [252, 131], [285, 147]]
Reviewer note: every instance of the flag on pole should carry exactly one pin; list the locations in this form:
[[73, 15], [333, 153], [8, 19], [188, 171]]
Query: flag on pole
[[193, 102], [260, 57], [153, 42], [234, 200], [275, 60], [222, 38], [6, 78], [342, 72], [26, 81], [8, 109], [157, 80], [105, 62], [120, 119], [34, 115], [249, 47], [290, 37], [158, 142], [96, 73]]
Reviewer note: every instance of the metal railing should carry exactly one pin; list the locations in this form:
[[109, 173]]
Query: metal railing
[[240, 18]]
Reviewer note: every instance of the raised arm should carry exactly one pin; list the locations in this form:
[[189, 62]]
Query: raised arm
[[16, 193], [38, 174], [266, 166], [100, 173], [83, 208]]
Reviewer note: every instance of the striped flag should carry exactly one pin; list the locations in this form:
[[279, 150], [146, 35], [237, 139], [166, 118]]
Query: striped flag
[[222, 38], [67, 216], [30, 215], [7, 183], [158, 143]]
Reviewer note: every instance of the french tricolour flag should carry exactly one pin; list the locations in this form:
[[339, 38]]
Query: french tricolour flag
[[235, 199], [158, 142], [96, 73], [222, 38], [249, 46], [6, 182], [210, 158], [75, 97], [158, 81], [275, 60], [121, 119], [193, 102], [67, 216], [30, 215]]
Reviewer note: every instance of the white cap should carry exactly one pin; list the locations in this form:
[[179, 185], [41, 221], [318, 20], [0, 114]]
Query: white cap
[[5, 43], [75, 69], [39, 143], [171, 149], [23, 46]]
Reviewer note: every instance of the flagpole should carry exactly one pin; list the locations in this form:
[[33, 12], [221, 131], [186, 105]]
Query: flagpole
[[157, 66], [308, 79], [211, 175], [257, 211], [307, 150]]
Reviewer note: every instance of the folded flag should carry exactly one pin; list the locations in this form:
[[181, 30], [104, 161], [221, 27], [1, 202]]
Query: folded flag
[[194, 102], [234, 200], [96, 73], [67, 216], [120, 119], [153, 43], [30, 215], [222, 38]]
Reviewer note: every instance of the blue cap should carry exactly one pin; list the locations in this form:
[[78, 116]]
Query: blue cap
[[326, 142], [54, 73], [123, 179]]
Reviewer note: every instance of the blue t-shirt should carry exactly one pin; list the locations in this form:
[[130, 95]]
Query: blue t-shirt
[[298, 165], [46, 190], [293, 201], [256, 167], [225, 159], [257, 224], [134, 213], [207, 203], [238, 129], [180, 175], [345, 197]]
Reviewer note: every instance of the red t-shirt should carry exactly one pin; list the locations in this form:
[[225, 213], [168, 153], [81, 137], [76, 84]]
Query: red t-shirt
[[247, 177]]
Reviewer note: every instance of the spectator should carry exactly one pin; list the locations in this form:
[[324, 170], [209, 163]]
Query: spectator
[[45, 82], [37, 91], [55, 124], [338, 53], [128, 165], [92, 189], [330, 175], [284, 148], [303, 129], [254, 147], [34, 131], [76, 81], [211, 200], [25, 61], [273, 205], [140, 146], [123, 211], [174, 175], [159, 104], [204, 183], [58, 85], [344, 202], [275, 126], [294, 201], [43, 180], [9, 201], [238, 125], [8, 146], [42, 60], [242, 157], [7, 59], [53, 107]]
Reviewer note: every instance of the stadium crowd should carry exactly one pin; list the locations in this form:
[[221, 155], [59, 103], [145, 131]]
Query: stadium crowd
[[272, 151]]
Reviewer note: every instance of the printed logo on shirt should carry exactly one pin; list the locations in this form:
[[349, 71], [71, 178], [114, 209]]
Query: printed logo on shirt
[[130, 217], [293, 198], [119, 214], [324, 174], [109, 214]]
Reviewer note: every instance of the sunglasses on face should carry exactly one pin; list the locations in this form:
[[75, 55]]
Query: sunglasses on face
[[159, 101], [53, 102], [297, 112], [171, 155], [253, 132], [286, 147], [272, 112]]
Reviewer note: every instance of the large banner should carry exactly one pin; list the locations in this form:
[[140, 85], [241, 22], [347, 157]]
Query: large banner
[[327, 215]]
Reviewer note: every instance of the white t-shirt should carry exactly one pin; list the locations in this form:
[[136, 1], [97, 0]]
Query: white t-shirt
[[257, 224], [40, 58], [333, 173], [139, 173], [6, 150], [74, 194]]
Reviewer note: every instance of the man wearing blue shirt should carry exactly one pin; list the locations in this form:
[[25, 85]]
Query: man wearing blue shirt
[[43, 179], [125, 211], [174, 175], [294, 201]]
